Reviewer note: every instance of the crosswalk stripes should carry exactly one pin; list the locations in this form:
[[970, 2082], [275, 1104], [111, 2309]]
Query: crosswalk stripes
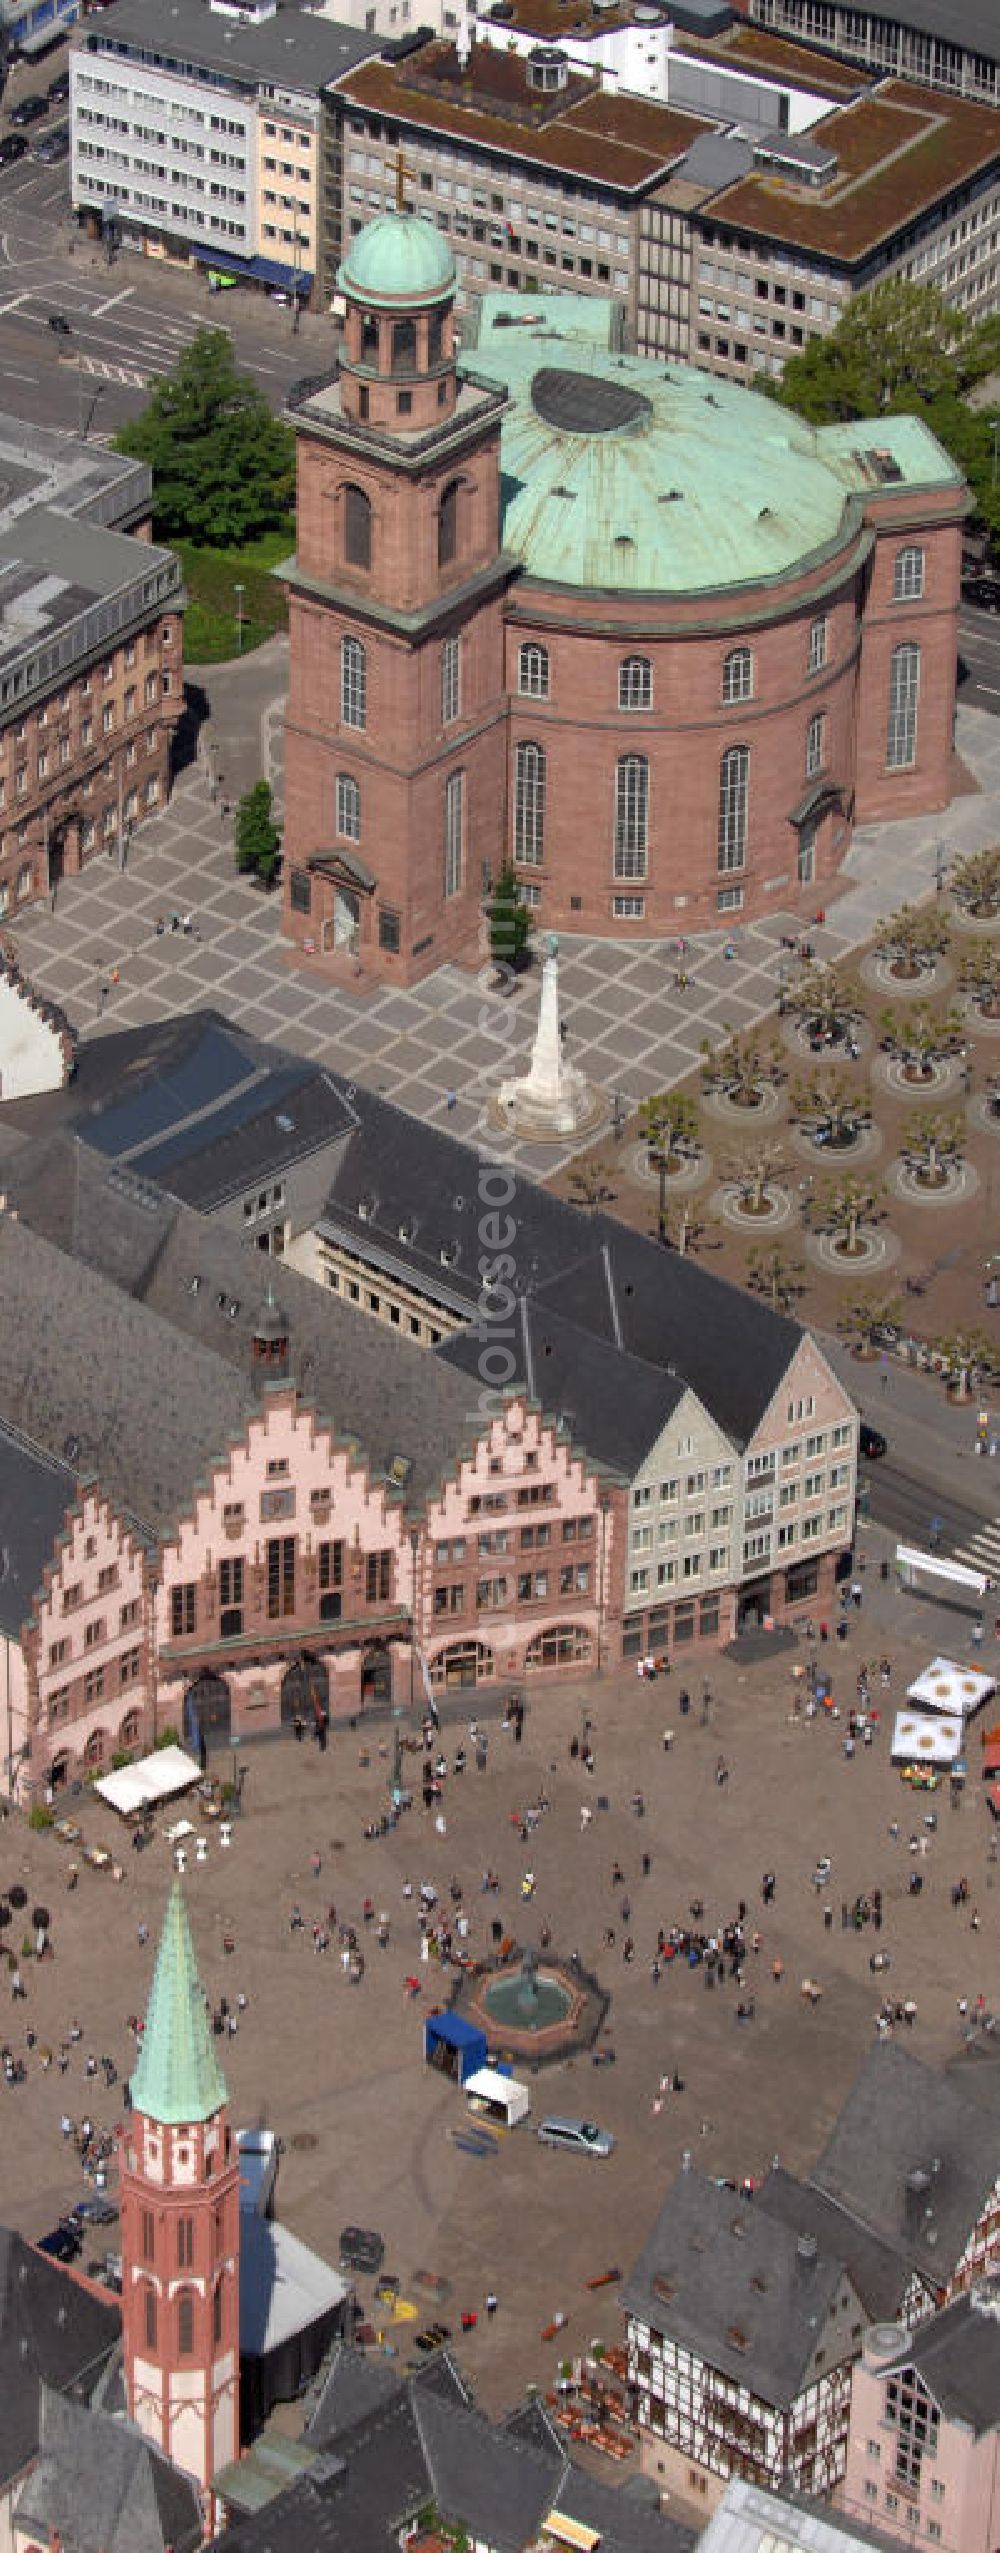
[[982, 1551]]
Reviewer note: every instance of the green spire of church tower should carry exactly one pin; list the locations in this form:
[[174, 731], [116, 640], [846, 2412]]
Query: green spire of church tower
[[178, 2078]]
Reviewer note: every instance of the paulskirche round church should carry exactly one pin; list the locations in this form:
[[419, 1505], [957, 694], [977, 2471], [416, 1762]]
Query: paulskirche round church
[[636, 630]]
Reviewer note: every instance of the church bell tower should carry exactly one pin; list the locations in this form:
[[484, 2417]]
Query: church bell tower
[[395, 737], [180, 2224]]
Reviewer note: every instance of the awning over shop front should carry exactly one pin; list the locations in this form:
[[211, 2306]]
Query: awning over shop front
[[253, 270]]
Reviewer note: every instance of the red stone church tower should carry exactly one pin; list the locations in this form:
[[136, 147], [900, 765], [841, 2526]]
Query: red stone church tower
[[180, 2224], [395, 738]]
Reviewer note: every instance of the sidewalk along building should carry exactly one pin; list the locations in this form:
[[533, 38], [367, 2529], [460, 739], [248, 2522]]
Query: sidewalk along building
[[91, 658], [652, 640]]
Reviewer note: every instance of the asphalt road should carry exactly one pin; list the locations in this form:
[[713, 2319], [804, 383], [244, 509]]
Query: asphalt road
[[979, 653], [128, 320]]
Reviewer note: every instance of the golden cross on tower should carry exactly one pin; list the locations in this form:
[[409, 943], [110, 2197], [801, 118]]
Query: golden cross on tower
[[403, 171]]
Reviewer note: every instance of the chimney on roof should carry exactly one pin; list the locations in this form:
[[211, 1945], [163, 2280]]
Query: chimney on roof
[[270, 1342], [805, 2251]]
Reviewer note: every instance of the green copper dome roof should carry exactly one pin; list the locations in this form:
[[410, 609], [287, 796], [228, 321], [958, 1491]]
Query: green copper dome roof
[[623, 473], [178, 2078], [398, 263]]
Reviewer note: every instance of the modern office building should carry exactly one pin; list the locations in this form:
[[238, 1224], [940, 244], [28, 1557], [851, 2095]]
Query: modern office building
[[206, 135], [928, 40], [91, 658]]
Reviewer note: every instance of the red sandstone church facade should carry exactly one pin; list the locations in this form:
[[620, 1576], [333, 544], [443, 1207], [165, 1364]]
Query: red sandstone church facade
[[653, 762]]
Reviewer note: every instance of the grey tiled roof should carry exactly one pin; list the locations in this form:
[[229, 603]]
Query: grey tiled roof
[[957, 2355], [876, 2270], [728, 2282], [103, 2488], [493, 2486], [152, 1383], [97, 1379], [354, 2385], [612, 1403], [911, 2159], [36, 1493], [53, 2331]]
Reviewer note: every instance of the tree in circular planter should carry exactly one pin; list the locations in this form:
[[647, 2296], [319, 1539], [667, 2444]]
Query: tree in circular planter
[[668, 1126], [911, 940], [683, 1227], [932, 1145], [773, 1273], [842, 1207], [828, 1105], [979, 977], [743, 1070], [753, 1173], [975, 884], [966, 1357], [870, 1320], [590, 1184], [921, 1037], [828, 1006]]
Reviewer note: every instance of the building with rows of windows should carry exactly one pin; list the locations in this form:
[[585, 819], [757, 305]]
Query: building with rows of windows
[[91, 658], [654, 642]]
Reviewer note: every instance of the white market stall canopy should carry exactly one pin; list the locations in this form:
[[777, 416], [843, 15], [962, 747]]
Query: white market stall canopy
[[944, 1686], [500, 2093], [919, 1739], [157, 1777]]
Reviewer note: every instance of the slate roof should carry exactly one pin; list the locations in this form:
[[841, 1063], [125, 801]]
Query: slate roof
[[152, 1389], [95, 1378], [912, 2159], [957, 2356], [354, 2385], [728, 2282], [612, 1403], [36, 1493], [875, 2269], [102, 2487], [54, 2331], [419, 2440]]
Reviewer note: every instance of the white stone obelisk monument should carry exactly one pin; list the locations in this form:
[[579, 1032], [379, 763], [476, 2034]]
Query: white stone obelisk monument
[[552, 1098]]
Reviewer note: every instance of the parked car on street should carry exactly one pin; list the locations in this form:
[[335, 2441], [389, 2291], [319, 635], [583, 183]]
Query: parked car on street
[[12, 147], [29, 109]]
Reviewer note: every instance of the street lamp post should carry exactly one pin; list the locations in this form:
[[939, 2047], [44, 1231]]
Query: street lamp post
[[239, 591]]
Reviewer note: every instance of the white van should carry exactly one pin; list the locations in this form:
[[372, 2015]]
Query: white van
[[580, 2135]]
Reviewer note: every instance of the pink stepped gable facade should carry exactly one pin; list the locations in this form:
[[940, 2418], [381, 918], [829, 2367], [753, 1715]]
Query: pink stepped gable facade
[[520, 1564], [86, 1666]]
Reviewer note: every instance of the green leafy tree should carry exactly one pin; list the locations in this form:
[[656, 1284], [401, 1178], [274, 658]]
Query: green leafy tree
[[753, 1173], [829, 1097], [509, 922], [668, 1126], [899, 346], [843, 1206], [931, 1140], [826, 1001], [912, 938], [966, 1354], [258, 841], [590, 1184], [979, 977], [975, 883], [921, 1034], [744, 1067], [869, 1313], [223, 467], [771, 1272]]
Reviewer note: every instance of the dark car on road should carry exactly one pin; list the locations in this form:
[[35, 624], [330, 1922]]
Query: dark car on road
[[983, 591], [53, 145], [58, 88], [93, 2211], [60, 327], [12, 147], [871, 1442], [29, 109]]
